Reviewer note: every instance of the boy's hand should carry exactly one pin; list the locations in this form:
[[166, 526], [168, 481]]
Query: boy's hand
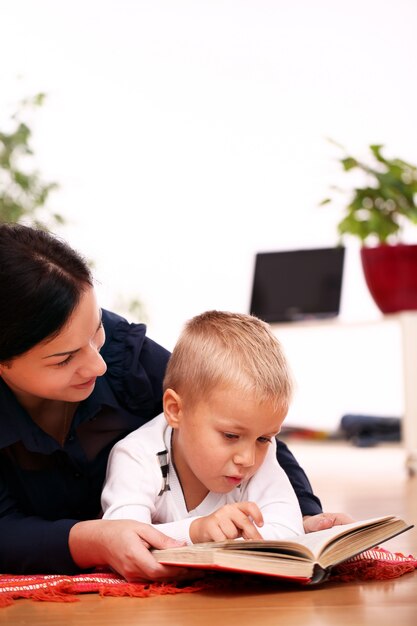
[[325, 520], [229, 522]]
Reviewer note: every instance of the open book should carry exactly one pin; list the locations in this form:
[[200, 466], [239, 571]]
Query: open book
[[307, 558]]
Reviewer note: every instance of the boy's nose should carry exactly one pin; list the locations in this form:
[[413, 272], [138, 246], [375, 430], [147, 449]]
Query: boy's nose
[[245, 457]]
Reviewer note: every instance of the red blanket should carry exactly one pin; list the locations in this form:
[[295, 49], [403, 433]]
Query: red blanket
[[376, 564]]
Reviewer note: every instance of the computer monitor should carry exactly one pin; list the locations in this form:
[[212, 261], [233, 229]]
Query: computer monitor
[[297, 284]]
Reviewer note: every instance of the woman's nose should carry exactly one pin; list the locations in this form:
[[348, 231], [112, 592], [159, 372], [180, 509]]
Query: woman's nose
[[94, 365], [101, 364]]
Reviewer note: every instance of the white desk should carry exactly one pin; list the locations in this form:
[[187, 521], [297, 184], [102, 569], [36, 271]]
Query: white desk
[[403, 372]]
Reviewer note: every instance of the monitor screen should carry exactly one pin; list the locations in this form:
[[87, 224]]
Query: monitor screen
[[297, 284]]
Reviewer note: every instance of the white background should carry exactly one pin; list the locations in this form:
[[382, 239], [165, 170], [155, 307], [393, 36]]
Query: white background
[[188, 135]]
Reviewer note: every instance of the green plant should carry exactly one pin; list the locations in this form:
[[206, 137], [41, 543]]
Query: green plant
[[380, 208], [23, 193]]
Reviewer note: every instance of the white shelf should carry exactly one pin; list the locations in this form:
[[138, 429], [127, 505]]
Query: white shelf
[[354, 366]]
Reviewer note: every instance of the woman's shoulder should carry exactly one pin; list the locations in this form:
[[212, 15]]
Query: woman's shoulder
[[123, 340], [127, 343], [117, 326], [135, 363], [148, 438]]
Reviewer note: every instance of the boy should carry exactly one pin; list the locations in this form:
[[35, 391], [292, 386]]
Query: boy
[[206, 470]]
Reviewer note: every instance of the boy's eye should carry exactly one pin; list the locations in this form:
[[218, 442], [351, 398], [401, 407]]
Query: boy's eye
[[230, 436], [264, 439]]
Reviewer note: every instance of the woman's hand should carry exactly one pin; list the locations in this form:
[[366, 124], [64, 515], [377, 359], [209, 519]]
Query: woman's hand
[[122, 545], [325, 520], [229, 522]]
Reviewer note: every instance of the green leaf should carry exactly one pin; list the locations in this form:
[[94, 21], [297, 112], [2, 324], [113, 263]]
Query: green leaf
[[376, 150], [349, 163], [378, 208], [22, 192]]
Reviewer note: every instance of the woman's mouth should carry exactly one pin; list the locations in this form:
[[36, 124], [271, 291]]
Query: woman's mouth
[[89, 383]]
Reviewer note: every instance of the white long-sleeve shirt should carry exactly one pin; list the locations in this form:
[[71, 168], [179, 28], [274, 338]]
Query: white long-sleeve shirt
[[142, 484]]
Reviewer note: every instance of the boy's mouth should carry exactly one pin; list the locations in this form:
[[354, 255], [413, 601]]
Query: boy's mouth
[[235, 480]]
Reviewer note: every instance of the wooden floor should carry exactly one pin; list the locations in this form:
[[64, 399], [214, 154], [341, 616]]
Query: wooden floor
[[365, 482]]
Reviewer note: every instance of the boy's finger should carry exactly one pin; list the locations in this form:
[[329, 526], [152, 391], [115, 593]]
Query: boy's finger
[[216, 533], [250, 532], [247, 527], [253, 511], [230, 528]]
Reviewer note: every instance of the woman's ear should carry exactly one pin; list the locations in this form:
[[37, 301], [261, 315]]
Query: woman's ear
[[172, 408]]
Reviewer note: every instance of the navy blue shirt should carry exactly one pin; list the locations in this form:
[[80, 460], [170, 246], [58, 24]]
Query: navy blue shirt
[[45, 488]]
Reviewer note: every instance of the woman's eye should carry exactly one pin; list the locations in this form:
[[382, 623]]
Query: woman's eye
[[65, 361]]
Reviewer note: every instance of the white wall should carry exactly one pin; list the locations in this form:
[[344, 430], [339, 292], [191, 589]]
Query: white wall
[[188, 135]]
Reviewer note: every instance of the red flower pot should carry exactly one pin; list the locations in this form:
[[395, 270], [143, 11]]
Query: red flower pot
[[391, 276]]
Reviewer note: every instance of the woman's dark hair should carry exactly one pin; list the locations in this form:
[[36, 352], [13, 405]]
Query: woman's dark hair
[[41, 282]]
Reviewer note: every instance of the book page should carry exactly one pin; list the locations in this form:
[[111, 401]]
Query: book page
[[319, 540], [310, 545]]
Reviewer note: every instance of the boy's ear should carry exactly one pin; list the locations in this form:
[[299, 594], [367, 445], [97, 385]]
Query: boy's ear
[[172, 408]]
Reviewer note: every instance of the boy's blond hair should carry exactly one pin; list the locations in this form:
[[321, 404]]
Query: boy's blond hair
[[222, 349]]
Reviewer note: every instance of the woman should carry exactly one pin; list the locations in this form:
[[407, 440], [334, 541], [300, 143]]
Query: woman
[[73, 381]]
